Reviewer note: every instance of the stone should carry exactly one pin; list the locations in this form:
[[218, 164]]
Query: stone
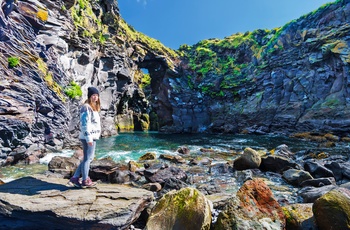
[[332, 210], [47, 203], [161, 175], [277, 164], [184, 209], [299, 216], [253, 207], [296, 177], [317, 170], [319, 182], [148, 156], [311, 194], [250, 159]]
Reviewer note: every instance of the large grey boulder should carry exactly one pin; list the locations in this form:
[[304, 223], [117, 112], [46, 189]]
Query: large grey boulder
[[47, 203]]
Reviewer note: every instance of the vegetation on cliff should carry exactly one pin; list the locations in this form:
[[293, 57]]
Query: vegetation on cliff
[[222, 67]]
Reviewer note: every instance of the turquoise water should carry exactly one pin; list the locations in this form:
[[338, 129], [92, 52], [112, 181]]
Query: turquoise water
[[130, 146]]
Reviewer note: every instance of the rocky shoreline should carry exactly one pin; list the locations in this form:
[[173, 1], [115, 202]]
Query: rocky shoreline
[[228, 189]]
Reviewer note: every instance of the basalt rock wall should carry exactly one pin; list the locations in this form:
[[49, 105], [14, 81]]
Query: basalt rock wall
[[293, 79], [296, 81], [58, 45]]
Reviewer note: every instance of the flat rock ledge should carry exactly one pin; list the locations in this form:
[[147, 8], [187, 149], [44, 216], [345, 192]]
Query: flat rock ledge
[[39, 202]]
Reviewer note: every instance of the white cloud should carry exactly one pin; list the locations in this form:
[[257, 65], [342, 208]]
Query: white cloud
[[144, 2]]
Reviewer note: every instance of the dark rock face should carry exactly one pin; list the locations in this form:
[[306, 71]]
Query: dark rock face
[[298, 83], [54, 50]]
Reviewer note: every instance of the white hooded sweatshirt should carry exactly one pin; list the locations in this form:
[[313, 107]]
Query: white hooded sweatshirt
[[90, 125]]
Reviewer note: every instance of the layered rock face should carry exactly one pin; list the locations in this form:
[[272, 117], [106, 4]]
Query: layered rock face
[[285, 80], [291, 79], [50, 46]]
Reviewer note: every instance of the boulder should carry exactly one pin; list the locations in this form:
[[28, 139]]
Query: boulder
[[250, 159], [299, 216], [296, 177], [276, 164], [63, 165], [254, 207], [311, 194], [184, 209], [183, 150], [332, 210], [148, 156], [319, 182], [317, 170], [283, 150], [160, 175]]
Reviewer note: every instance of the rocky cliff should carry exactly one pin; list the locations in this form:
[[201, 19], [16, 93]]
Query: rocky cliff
[[51, 52], [289, 79]]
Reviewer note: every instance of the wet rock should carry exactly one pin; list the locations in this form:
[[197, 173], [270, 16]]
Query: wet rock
[[318, 182], [154, 187], [296, 177], [219, 200], [193, 162], [148, 156], [122, 177], [167, 157], [160, 175], [346, 170], [183, 150], [254, 207], [277, 164], [317, 170], [311, 194], [183, 209], [284, 151], [65, 166], [243, 176], [346, 185], [178, 160], [172, 184], [332, 210], [299, 216], [133, 166], [220, 168], [336, 169], [250, 159]]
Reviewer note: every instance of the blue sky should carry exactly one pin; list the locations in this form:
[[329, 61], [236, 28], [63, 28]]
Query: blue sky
[[177, 22]]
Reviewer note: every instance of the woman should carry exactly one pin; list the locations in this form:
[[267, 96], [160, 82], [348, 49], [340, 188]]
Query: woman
[[90, 130]]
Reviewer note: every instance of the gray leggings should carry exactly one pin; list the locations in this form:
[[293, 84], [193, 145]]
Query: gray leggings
[[84, 166]]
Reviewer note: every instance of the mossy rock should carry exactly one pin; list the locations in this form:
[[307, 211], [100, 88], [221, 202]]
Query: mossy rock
[[184, 209], [299, 216], [332, 210]]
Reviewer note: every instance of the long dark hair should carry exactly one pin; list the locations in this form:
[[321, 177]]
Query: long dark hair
[[95, 106]]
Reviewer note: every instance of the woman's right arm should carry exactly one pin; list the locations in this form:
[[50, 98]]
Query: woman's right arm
[[85, 120]]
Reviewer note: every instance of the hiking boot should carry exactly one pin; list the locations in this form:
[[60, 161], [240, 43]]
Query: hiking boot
[[88, 183], [75, 181]]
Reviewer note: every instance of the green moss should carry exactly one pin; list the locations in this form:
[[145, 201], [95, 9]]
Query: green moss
[[128, 33], [73, 90], [145, 81], [184, 200], [90, 25], [13, 61]]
